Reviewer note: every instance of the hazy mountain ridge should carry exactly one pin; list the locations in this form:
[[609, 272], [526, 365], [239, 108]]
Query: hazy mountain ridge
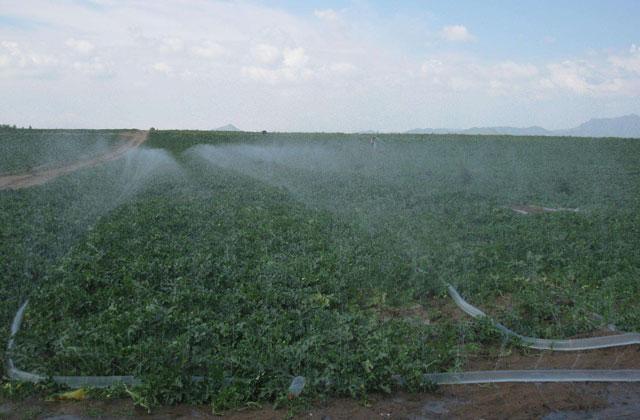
[[228, 127], [625, 126]]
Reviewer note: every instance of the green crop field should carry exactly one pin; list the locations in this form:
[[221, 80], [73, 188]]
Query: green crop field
[[23, 150], [249, 259]]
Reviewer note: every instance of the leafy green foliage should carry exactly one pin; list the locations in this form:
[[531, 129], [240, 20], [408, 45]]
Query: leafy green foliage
[[25, 149], [249, 259]]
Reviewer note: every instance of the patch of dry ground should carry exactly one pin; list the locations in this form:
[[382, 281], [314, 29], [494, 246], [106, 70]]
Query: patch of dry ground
[[502, 401]]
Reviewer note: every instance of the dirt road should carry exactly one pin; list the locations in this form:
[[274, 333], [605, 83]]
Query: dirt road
[[40, 176]]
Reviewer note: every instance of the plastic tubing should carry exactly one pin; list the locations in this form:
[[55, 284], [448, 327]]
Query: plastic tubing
[[16, 374], [477, 377], [71, 381], [534, 376], [577, 344]]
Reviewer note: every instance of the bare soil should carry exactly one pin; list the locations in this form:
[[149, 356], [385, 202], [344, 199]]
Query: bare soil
[[41, 175], [499, 401]]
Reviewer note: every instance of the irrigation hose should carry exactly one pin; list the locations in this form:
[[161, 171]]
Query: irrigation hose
[[529, 376], [496, 376], [577, 344], [16, 374], [71, 381]]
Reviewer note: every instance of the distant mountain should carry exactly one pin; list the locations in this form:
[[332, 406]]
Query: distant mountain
[[514, 131], [433, 131], [626, 126], [228, 127]]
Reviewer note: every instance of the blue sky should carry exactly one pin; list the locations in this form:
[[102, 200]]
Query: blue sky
[[317, 65], [510, 28]]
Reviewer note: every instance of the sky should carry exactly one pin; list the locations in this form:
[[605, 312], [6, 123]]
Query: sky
[[287, 65]]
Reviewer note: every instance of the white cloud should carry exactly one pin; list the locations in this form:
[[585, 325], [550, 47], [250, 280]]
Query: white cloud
[[459, 73], [295, 68], [595, 76], [11, 47], [432, 67], [590, 79], [326, 14], [343, 68], [265, 53], [452, 73], [278, 75], [456, 33], [512, 70], [80, 45], [292, 69], [24, 62], [187, 74], [171, 45], [629, 62], [162, 67], [208, 50], [570, 75], [261, 74], [294, 57], [345, 72], [95, 67]]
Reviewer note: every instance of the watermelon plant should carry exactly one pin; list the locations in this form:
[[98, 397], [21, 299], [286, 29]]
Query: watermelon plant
[[250, 259]]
